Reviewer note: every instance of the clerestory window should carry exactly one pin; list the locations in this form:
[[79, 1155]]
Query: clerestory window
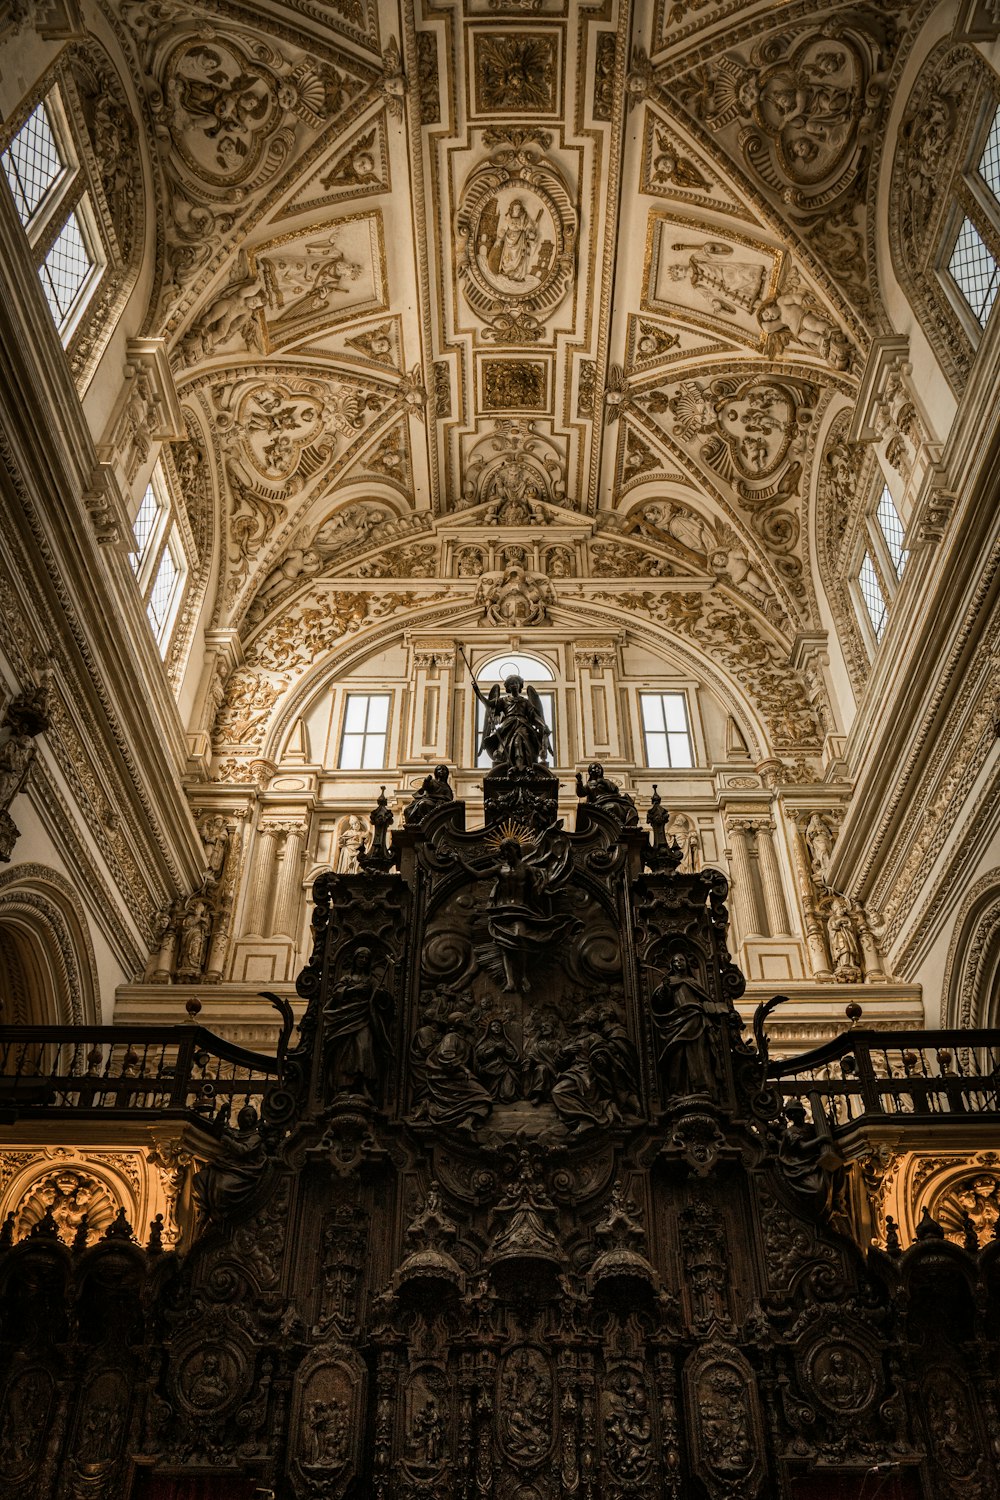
[[880, 567], [972, 255], [158, 559], [666, 730], [51, 196]]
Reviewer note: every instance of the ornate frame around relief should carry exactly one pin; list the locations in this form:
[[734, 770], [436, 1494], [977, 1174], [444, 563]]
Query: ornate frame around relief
[[328, 1407], [515, 266], [718, 245], [718, 1384]]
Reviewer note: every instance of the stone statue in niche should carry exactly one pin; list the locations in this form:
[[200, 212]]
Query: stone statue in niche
[[819, 838], [599, 791], [515, 734], [194, 928], [435, 791], [845, 951], [515, 596], [356, 1020], [680, 1010], [227, 1185], [353, 837]]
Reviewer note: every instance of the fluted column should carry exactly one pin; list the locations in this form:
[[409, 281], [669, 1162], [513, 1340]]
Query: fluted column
[[819, 958], [746, 900], [261, 876], [774, 894], [286, 901]]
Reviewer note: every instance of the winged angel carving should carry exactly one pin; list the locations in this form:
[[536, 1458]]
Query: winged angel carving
[[515, 734]]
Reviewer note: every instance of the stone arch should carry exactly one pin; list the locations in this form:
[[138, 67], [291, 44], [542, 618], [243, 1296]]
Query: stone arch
[[970, 990], [47, 966]]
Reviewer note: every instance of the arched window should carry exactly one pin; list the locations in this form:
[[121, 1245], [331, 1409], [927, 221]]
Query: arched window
[[534, 672], [973, 263]]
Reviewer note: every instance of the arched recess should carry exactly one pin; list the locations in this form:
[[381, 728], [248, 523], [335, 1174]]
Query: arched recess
[[48, 973], [677, 654], [941, 116], [970, 991], [107, 139]]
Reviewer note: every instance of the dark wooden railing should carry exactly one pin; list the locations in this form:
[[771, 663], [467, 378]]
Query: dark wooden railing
[[137, 1071], [919, 1076]]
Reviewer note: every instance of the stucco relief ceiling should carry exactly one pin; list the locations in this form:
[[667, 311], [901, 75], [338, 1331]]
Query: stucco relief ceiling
[[511, 263]]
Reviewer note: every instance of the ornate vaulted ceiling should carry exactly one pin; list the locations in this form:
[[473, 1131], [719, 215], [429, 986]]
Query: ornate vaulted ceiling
[[597, 275]]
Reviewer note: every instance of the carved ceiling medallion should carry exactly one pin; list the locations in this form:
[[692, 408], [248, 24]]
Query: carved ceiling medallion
[[517, 225]]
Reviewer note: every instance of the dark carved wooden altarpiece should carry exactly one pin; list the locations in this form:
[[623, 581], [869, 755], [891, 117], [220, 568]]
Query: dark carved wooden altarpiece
[[522, 1219]]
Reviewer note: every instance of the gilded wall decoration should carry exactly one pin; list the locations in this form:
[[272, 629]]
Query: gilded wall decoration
[[355, 169], [388, 460], [672, 169], [293, 638], [726, 632], [805, 103], [707, 546], [317, 278], [719, 279], [515, 74], [752, 433], [517, 238], [514, 385]]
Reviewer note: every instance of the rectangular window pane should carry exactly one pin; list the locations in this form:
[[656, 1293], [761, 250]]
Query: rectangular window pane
[[143, 527], [351, 751], [162, 593], [975, 271], [989, 162], [65, 269], [874, 598], [356, 714], [892, 529], [32, 163], [366, 722], [666, 730]]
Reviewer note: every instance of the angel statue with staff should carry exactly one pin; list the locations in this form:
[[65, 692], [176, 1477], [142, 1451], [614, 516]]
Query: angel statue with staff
[[515, 734]]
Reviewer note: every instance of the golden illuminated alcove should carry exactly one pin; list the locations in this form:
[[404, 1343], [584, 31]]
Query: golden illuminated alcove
[[355, 351]]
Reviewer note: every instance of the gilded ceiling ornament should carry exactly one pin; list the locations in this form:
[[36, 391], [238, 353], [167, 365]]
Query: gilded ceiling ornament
[[512, 469], [514, 385], [379, 344], [517, 230], [358, 167], [516, 74], [605, 57]]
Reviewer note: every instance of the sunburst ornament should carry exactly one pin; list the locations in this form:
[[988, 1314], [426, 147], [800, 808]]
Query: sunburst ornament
[[521, 833]]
